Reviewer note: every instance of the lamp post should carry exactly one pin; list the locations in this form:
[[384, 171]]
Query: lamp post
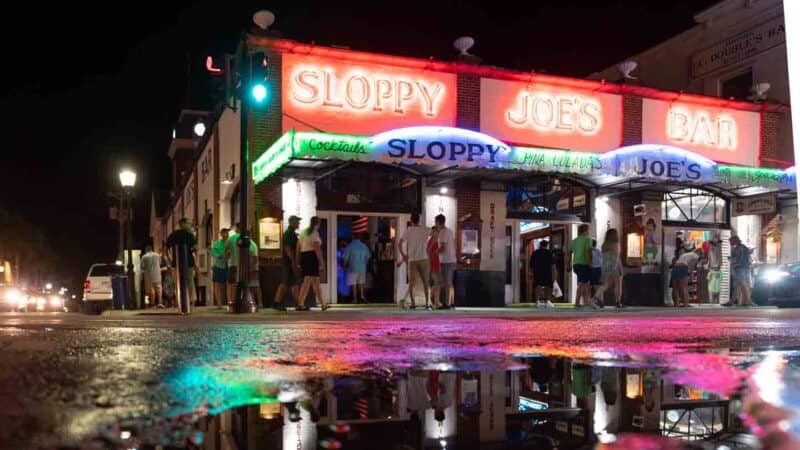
[[127, 179]]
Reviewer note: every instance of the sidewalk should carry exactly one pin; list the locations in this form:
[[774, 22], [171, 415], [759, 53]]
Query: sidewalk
[[390, 309]]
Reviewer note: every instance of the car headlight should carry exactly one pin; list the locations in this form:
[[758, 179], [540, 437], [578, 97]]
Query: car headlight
[[56, 301], [13, 296], [772, 276]]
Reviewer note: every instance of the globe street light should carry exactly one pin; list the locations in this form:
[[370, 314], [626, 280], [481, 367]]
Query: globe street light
[[127, 178]]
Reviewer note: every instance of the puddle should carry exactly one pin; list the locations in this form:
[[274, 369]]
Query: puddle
[[716, 399]]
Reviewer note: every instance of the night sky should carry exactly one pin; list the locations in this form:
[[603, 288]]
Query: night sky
[[88, 91]]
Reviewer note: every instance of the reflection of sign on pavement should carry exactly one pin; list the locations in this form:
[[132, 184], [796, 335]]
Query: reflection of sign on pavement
[[762, 204], [737, 48]]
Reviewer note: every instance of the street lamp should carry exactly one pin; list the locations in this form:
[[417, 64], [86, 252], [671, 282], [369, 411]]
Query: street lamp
[[127, 179]]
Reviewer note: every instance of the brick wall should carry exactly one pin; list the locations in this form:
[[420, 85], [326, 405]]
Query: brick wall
[[468, 208], [264, 128], [769, 138], [631, 120], [468, 104]]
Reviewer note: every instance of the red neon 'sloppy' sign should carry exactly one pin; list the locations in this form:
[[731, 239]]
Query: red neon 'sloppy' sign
[[363, 99], [719, 134], [550, 116]]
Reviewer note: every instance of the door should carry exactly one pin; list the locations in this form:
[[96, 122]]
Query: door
[[385, 278]]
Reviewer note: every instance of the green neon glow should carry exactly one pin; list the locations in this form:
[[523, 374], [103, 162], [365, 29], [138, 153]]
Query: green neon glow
[[549, 160], [332, 146], [757, 176], [274, 158]]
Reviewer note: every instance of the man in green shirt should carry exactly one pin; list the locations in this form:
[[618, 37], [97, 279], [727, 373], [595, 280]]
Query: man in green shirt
[[232, 256], [581, 248], [220, 271], [289, 264]]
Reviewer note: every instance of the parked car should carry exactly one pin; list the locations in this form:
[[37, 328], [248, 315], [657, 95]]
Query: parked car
[[777, 284], [97, 292]]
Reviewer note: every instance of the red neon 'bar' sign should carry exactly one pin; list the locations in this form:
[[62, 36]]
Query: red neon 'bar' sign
[[363, 99]]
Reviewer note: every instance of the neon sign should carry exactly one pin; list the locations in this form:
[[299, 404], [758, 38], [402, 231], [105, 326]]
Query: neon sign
[[543, 115], [568, 114], [360, 98], [358, 91], [701, 128], [719, 134]]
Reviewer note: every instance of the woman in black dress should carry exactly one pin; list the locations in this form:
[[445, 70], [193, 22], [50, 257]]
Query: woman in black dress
[[309, 249]]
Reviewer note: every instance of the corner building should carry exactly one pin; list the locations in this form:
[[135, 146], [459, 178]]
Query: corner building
[[364, 140]]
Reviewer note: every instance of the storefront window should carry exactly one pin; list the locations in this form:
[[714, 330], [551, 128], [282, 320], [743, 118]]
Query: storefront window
[[369, 188], [548, 199], [694, 205]]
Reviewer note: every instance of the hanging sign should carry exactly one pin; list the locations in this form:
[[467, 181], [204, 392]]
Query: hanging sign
[[761, 204], [739, 47]]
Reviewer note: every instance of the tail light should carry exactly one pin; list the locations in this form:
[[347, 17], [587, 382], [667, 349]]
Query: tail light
[[87, 285]]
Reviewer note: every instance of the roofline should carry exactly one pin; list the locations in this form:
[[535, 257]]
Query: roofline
[[298, 48]]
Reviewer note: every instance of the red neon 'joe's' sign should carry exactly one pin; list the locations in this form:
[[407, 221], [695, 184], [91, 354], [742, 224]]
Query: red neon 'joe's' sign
[[550, 116], [363, 99]]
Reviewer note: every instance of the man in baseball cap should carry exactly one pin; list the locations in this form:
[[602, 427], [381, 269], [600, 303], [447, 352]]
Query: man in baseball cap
[[289, 264]]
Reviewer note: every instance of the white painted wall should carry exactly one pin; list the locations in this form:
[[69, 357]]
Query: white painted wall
[[789, 230], [606, 216], [748, 228]]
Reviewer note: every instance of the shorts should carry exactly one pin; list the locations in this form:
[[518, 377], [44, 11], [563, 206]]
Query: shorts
[[595, 274], [288, 274], [153, 288], [714, 281], [233, 274], [583, 272], [254, 278], [437, 279], [421, 269], [448, 270], [543, 281], [354, 278], [679, 272], [309, 265], [219, 275]]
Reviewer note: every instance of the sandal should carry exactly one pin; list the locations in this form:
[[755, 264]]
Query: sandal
[[325, 307]]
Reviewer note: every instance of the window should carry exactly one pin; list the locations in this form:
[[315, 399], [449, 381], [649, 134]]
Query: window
[[106, 270], [369, 188], [694, 205], [737, 87], [548, 199]]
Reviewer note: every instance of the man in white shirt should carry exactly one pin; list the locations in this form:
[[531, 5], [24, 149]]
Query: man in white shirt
[[416, 239], [447, 256], [151, 269]]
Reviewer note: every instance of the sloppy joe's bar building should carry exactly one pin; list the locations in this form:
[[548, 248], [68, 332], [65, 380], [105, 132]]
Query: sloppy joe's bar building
[[363, 140]]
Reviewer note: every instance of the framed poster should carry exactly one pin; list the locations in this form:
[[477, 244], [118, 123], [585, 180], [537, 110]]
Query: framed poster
[[469, 243], [270, 234]]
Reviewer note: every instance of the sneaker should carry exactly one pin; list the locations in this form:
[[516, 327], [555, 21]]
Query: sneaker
[[549, 304], [279, 307], [594, 306], [538, 304]]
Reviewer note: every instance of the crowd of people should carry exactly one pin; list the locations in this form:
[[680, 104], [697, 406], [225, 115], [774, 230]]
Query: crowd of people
[[430, 258]]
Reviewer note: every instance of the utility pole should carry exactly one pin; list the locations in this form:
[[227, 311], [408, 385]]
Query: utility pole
[[243, 300]]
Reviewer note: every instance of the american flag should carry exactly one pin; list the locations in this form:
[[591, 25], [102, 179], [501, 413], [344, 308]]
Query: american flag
[[360, 225]]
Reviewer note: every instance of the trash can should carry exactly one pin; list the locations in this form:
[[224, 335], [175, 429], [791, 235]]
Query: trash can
[[119, 291]]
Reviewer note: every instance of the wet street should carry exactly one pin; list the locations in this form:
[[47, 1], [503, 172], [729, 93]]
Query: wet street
[[510, 378]]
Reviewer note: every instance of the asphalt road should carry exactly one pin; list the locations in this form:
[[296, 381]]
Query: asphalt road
[[65, 378]]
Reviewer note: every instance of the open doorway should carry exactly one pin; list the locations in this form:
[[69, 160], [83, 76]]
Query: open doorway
[[378, 234], [532, 234]]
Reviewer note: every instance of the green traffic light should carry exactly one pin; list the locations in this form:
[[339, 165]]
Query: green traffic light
[[259, 92]]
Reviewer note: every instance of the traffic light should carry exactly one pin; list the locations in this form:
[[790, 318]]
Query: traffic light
[[259, 64]]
